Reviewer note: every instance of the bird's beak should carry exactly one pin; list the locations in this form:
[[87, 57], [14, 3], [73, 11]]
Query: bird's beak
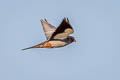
[[74, 40]]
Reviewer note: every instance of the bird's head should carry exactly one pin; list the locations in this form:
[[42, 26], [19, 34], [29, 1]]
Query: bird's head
[[71, 39]]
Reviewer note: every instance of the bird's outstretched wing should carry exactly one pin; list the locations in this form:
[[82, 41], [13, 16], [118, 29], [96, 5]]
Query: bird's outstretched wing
[[63, 30], [48, 28]]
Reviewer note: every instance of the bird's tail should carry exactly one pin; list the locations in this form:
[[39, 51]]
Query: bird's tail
[[36, 46]]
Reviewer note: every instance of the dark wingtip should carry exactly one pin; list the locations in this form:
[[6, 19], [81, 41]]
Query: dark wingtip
[[45, 19], [67, 19], [64, 18], [41, 20]]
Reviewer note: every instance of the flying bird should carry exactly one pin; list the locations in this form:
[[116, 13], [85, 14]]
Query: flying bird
[[56, 37]]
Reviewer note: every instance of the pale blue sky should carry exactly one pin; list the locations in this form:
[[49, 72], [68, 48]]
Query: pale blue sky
[[95, 55]]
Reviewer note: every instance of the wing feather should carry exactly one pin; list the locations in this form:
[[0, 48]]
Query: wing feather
[[63, 30], [48, 28]]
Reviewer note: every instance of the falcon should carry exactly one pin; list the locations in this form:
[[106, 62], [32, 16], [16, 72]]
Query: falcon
[[56, 37]]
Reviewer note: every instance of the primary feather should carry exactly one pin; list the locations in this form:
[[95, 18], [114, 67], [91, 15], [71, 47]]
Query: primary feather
[[48, 28]]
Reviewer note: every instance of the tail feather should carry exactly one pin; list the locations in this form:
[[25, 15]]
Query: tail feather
[[28, 48], [36, 46]]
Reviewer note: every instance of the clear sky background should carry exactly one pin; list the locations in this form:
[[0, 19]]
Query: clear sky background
[[95, 55]]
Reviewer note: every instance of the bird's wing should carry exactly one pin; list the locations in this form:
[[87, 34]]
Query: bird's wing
[[48, 28], [63, 30]]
